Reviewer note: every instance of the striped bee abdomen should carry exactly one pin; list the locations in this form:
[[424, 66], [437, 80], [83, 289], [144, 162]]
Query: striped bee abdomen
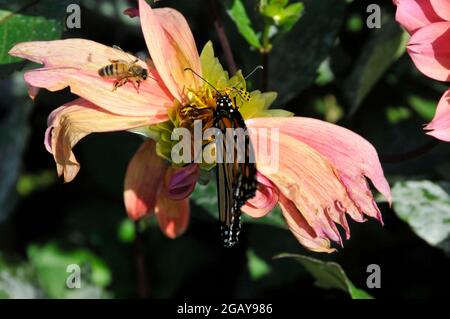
[[112, 70]]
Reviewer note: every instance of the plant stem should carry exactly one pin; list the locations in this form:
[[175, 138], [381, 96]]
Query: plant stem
[[398, 158], [266, 47], [223, 39], [143, 289], [265, 71]]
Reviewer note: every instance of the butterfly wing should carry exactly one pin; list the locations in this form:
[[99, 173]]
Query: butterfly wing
[[236, 182]]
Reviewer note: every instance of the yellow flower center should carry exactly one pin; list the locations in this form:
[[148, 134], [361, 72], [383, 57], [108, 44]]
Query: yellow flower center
[[202, 103]]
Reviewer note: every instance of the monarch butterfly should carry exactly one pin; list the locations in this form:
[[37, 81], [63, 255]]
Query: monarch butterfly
[[236, 182]]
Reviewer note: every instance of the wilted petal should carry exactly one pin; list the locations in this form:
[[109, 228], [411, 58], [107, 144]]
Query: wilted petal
[[307, 179], [442, 8], [429, 48], [301, 229], [351, 155], [75, 63], [415, 14], [172, 215], [264, 201], [143, 181], [172, 48], [71, 122], [440, 125], [180, 182]]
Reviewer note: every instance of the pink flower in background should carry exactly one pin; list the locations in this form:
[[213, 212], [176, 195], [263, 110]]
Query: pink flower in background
[[428, 22], [323, 168]]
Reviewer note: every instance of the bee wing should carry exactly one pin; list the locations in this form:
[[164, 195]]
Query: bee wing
[[131, 59], [150, 63], [117, 48]]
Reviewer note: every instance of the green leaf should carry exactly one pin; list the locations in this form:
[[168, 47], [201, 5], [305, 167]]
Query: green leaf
[[355, 23], [28, 20], [425, 206], [257, 266], [126, 231], [50, 263], [382, 49], [29, 183], [424, 107], [296, 55], [397, 114], [238, 14], [290, 15], [328, 275], [17, 281]]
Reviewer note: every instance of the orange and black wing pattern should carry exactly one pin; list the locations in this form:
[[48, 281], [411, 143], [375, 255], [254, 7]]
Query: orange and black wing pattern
[[236, 179]]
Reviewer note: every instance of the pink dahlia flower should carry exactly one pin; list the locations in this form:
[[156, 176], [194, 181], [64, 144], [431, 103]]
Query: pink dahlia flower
[[323, 168]]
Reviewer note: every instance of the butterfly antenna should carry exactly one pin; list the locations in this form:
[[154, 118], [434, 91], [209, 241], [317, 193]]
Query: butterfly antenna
[[189, 69], [259, 67]]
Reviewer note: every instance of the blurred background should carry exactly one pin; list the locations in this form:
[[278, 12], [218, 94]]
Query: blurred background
[[325, 62]]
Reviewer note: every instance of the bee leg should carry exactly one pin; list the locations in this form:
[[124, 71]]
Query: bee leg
[[119, 83], [116, 84], [113, 61], [136, 86]]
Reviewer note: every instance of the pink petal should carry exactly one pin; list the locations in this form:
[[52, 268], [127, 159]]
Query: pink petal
[[440, 125], [75, 63], [307, 179], [264, 201], [32, 91], [172, 215], [301, 229], [180, 182], [429, 48], [172, 48], [415, 14], [442, 8], [351, 155], [71, 122], [143, 180]]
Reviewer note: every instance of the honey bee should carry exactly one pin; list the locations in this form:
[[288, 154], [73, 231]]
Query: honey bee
[[124, 71]]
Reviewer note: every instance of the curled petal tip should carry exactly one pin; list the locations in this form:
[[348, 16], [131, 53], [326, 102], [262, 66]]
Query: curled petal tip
[[439, 127], [32, 91], [265, 199], [180, 182], [131, 12]]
